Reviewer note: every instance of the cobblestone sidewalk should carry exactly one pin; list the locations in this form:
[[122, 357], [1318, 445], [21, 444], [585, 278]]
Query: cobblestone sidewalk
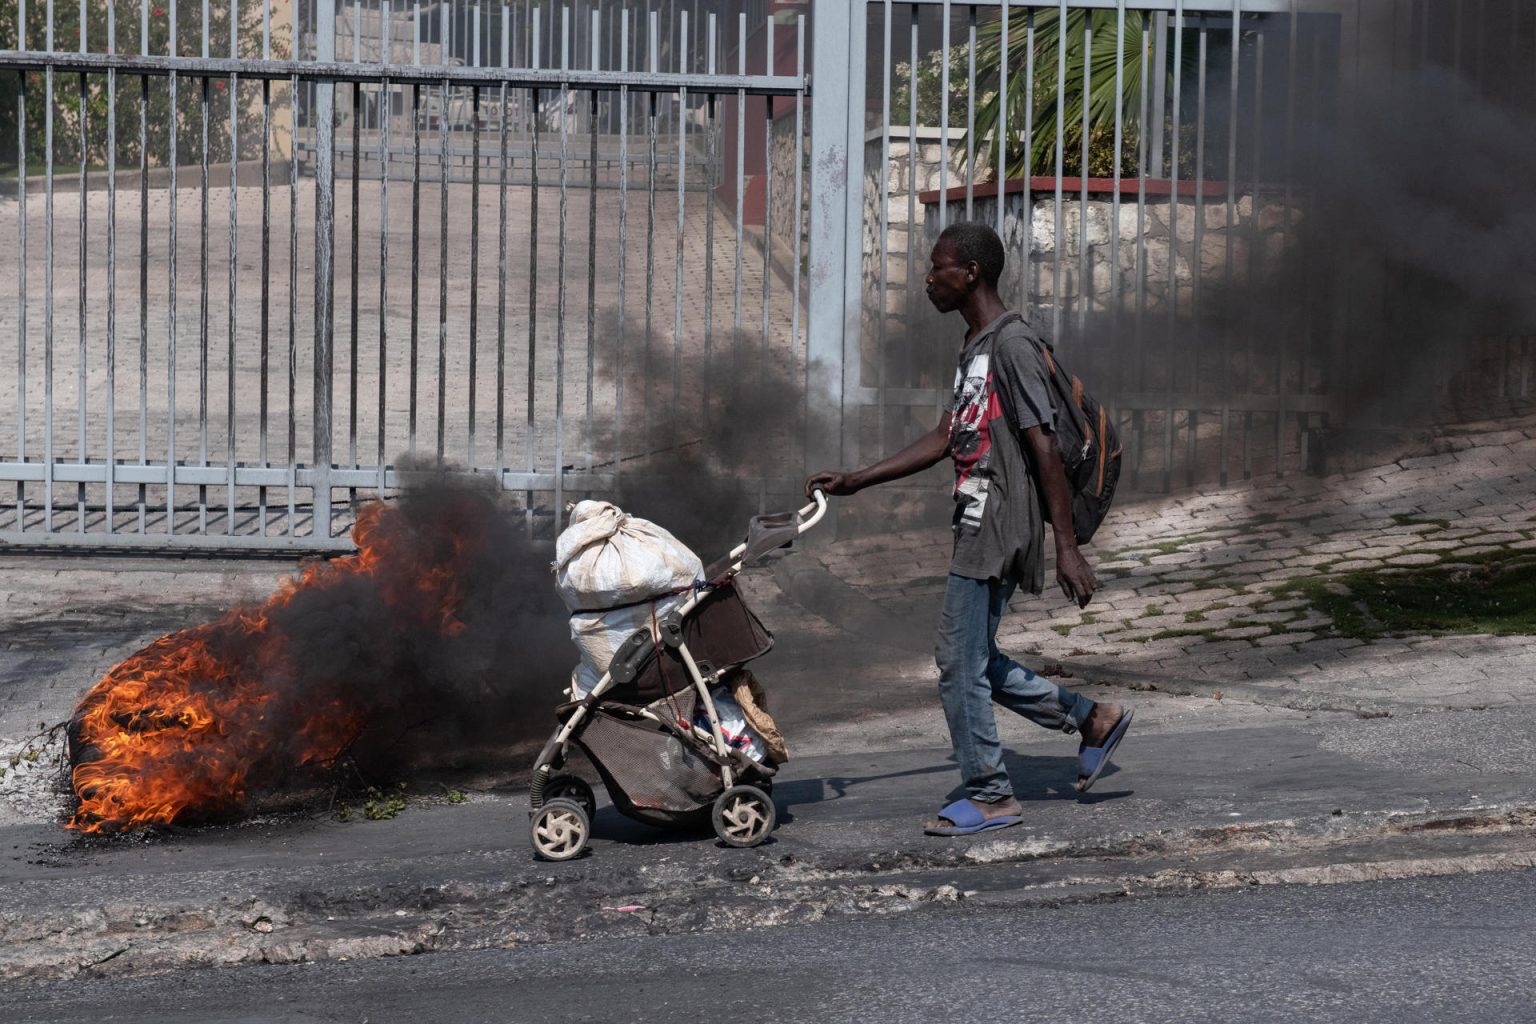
[[1199, 592]]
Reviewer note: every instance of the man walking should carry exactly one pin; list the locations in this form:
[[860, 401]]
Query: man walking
[[997, 428]]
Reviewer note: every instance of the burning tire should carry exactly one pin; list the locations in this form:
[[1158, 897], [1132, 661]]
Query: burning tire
[[574, 788], [560, 830], [744, 816]]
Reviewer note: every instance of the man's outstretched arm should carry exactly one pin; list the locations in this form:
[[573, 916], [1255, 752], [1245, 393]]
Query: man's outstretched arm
[[1072, 572], [926, 451]]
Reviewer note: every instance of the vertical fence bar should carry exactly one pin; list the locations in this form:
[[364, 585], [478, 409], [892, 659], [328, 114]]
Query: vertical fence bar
[[264, 385], [533, 273], [501, 263], [799, 200], [204, 90], [354, 263], [914, 147], [81, 206], [1084, 258], [325, 255], [836, 225], [1197, 258], [172, 162], [1171, 334], [443, 114], [48, 104], [1233, 94], [970, 113], [1001, 174], [651, 128], [386, 118], [712, 151], [415, 232], [143, 493], [1027, 193], [763, 356], [560, 289], [1115, 195], [944, 98], [110, 466], [592, 132], [741, 179], [1061, 155], [474, 262], [293, 292], [619, 342], [682, 212], [234, 206], [883, 190], [1254, 254], [21, 266], [1143, 144], [1288, 177]]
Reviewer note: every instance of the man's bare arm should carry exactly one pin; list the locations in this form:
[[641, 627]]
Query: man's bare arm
[[926, 451], [1072, 572]]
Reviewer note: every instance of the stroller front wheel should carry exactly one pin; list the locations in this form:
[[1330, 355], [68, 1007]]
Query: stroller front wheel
[[572, 787], [744, 816], [559, 830]]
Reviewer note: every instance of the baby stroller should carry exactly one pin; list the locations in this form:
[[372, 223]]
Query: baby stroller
[[640, 727]]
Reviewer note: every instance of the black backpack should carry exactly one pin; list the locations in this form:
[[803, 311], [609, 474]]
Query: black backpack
[[1088, 442]]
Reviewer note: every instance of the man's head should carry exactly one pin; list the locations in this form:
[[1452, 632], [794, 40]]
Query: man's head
[[967, 257]]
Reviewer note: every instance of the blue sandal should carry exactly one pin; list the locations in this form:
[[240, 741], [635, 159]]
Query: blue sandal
[[967, 820], [1091, 761]]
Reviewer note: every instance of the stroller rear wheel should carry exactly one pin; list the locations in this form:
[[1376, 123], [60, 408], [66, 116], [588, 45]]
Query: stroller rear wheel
[[559, 830], [744, 816], [572, 787]]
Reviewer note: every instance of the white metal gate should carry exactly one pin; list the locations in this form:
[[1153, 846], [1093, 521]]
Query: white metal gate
[[270, 257]]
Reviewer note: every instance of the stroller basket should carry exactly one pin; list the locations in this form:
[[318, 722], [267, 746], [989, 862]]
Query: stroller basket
[[721, 633], [648, 767]]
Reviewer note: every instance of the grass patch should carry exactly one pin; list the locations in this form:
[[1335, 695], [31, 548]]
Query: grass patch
[[1194, 616], [1088, 619], [1179, 634], [1492, 593]]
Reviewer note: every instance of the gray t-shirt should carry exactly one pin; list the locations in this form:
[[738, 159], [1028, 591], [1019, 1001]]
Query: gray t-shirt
[[1000, 391]]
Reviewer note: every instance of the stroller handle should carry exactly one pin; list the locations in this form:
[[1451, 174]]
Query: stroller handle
[[819, 505]]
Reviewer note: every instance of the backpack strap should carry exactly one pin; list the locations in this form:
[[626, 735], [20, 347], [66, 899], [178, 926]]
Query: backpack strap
[[1046, 353]]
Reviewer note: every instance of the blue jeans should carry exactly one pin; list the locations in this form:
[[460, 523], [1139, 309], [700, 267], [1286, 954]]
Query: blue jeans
[[973, 673]]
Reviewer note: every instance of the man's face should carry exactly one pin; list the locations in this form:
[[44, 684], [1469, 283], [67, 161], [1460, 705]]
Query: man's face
[[949, 279]]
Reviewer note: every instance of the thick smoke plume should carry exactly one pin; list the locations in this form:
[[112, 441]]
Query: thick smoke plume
[[1399, 272], [731, 446]]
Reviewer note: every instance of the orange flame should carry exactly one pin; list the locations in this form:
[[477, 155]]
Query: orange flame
[[191, 725]]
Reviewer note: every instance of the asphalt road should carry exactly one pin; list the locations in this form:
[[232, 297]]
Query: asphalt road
[[1441, 950]]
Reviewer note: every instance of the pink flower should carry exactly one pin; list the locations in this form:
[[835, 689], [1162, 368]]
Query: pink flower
[[158, 12], [219, 86]]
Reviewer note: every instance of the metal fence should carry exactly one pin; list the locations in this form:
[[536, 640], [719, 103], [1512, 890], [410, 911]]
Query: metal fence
[[1120, 217], [1166, 234], [328, 258], [273, 255]]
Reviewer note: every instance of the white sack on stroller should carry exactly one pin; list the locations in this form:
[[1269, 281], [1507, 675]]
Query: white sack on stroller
[[605, 558]]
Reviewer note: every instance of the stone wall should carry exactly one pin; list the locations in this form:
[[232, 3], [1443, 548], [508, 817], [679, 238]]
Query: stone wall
[[1143, 256]]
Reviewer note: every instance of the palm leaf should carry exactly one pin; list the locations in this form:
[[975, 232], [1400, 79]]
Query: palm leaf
[[1038, 95]]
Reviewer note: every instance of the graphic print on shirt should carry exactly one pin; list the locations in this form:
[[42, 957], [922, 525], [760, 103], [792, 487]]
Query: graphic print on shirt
[[970, 437]]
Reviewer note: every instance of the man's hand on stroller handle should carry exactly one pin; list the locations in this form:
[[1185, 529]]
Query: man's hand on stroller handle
[[832, 482]]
